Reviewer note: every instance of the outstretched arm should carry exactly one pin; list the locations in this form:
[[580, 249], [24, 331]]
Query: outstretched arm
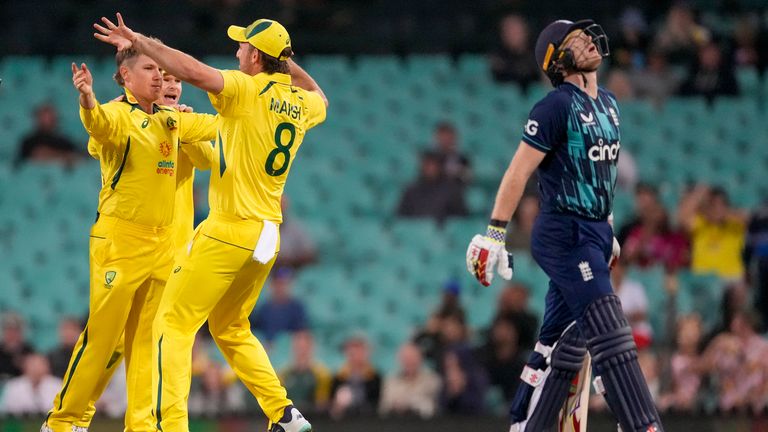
[[173, 61]]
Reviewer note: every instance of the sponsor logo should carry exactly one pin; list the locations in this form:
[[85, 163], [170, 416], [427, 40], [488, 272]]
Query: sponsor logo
[[166, 167], [171, 123], [145, 123], [587, 119], [177, 269], [586, 271], [109, 277], [165, 149], [602, 151], [532, 127]]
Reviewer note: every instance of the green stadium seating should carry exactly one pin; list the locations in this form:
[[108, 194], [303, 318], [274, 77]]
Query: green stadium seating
[[376, 272]]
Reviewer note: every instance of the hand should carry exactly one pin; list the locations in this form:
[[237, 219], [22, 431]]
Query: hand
[[118, 35], [184, 108], [82, 79], [615, 254], [486, 252]]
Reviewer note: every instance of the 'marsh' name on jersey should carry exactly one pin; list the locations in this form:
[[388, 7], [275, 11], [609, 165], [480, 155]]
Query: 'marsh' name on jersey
[[283, 107]]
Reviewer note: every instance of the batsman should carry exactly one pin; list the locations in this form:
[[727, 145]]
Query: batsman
[[572, 140]]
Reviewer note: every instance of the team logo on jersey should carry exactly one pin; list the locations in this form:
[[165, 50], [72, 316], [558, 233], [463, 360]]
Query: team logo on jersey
[[165, 149], [614, 116], [171, 123], [532, 127], [177, 269], [145, 123], [586, 271], [109, 277], [587, 119]]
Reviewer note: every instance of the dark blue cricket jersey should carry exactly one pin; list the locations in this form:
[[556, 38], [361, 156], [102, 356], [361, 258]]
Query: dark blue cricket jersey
[[581, 138]]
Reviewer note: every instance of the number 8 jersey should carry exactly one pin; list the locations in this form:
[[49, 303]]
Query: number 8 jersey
[[262, 125]]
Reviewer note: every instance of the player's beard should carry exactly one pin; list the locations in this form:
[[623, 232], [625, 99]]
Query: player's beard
[[585, 63]]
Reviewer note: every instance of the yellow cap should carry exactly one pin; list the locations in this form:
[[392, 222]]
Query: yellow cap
[[267, 35]]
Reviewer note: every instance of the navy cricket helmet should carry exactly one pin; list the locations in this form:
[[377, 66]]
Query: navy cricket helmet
[[552, 59]]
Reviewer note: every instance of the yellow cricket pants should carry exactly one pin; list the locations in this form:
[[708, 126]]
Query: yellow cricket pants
[[129, 264], [219, 281]]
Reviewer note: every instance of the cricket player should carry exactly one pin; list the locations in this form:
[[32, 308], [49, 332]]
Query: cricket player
[[572, 139], [131, 244], [190, 157], [265, 110]]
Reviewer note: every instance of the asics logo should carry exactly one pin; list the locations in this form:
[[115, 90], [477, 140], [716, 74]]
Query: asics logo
[[602, 152], [532, 127]]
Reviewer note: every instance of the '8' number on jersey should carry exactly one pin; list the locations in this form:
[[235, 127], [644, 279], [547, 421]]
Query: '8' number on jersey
[[283, 149]]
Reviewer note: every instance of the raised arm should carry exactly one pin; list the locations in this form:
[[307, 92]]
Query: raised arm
[[302, 79], [690, 205], [97, 121], [173, 61]]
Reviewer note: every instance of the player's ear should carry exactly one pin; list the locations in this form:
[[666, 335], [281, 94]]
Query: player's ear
[[255, 54], [124, 71]]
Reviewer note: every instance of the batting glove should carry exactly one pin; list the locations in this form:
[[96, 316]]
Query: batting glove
[[486, 252], [615, 254]]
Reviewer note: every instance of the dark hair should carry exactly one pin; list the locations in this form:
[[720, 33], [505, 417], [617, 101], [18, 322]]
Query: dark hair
[[445, 126], [123, 56], [272, 65]]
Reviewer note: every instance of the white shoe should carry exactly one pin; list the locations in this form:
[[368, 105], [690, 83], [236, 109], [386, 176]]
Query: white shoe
[[79, 429], [292, 421], [45, 428]]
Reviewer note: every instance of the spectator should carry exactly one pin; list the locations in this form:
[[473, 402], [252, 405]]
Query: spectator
[[656, 82], [737, 359], [717, 232], [756, 258], [646, 198], [626, 178], [513, 306], [685, 374], [281, 312], [296, 247], [213, 395], [680, 36], [13, 346], [456, 166], [432, 194], [519, 236], [411, 390], [45, 143], [356, 386], [628, 50], [654, 242], [503, 357], [619, 83], [429, 339], [32, 392], [307, 381], [711, 76], [464, 380], [746, 35], [511, 62], [69, 331], [634, 302]]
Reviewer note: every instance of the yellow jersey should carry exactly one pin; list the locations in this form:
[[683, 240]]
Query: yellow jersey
[[716, 248], [196, 155], [262, 123], [138, 155]]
